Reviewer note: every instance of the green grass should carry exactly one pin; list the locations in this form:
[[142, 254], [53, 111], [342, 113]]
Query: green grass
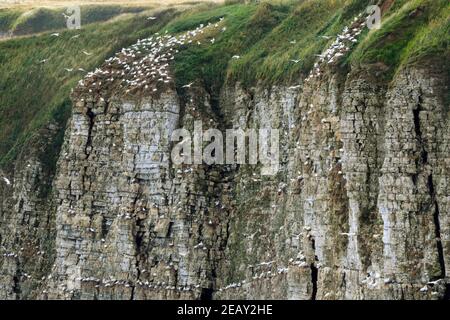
[[431, 40], [33, 93], [25, 22], [401, 40], [7, 19]]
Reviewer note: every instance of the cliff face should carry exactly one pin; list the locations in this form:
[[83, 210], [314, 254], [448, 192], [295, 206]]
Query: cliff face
[[359, 208], [27, 219]]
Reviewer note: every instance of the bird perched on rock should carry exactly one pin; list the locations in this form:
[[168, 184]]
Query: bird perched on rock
[[8, 183], [188, 85]]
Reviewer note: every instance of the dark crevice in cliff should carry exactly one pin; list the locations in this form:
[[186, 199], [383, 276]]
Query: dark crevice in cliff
[[437, 226], [418, 132], [402, 293], [91, 117], [343, 283], [314, 270], [133, 287], [314, 275], [206, 294], [138, 240], [416, 115], [16, 285], [417, 128]]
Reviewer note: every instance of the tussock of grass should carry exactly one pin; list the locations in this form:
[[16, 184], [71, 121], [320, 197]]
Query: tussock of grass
[[431, 40]]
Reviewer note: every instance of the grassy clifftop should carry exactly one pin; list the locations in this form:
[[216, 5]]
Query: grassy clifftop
[[412, 31], [35, 85]]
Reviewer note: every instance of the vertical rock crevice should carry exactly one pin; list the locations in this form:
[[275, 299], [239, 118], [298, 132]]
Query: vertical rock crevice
[[91, 119], [437, 225], [422, 165], [314, 280]]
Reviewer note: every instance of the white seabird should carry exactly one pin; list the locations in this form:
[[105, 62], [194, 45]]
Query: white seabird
[[188, 85], [7, 181]]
